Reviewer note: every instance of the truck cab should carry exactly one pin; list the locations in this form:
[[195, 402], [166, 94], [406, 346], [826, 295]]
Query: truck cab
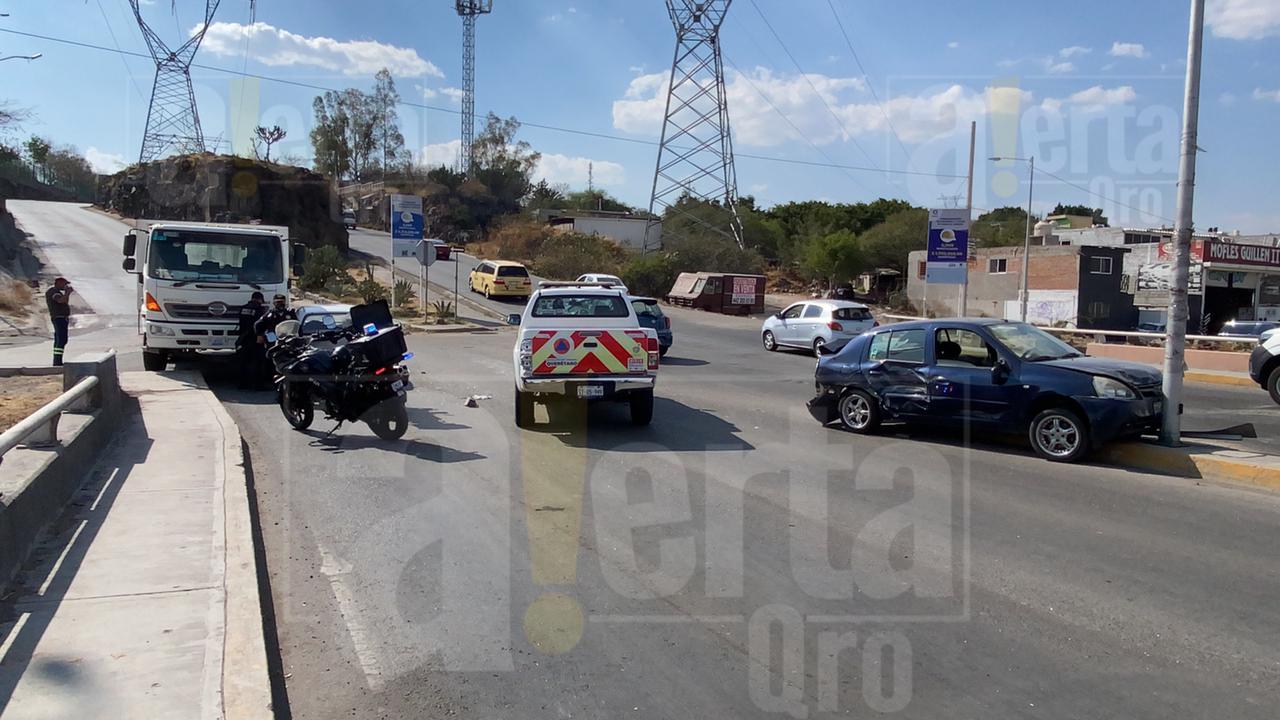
[[583, 342], [193, 278]]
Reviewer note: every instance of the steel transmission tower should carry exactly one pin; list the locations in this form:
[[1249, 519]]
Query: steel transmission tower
[[469, 10], [695, 158], [173, 125]]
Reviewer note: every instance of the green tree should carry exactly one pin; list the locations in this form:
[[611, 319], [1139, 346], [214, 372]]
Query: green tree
[[324, 269], [266, 136], [834, 257], [329, 137], [501, 168], [387, 121], [546, 196], [1002, 227], [652, 274], [1082, 211], [887, 245], [38, 150]]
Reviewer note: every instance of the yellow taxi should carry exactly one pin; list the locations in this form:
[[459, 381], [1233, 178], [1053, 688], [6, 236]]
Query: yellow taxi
[[500, 278]]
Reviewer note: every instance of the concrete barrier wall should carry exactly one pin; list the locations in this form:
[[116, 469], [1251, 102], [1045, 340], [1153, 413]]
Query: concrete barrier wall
[[36, 483], [1207, 360]]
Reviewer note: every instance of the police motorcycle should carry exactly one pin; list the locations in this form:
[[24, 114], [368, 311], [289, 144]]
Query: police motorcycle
[[362, 377]]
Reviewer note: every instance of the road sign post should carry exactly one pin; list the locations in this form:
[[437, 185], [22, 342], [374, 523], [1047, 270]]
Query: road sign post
[[947, 257]]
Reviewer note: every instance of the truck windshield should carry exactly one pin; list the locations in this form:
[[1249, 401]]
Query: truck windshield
[[217, 257]]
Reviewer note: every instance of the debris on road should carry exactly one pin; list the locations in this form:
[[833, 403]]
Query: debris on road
[[474, 400]]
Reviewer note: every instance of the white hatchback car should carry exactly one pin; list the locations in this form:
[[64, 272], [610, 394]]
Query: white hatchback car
[[613, 280], [811, 324]]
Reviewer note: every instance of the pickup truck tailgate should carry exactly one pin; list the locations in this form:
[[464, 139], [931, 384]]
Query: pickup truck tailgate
[[591, 352]]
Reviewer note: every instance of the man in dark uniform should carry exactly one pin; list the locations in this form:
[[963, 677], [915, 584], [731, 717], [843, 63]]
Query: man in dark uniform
[[58, 299], [250, 354], [278, 313]]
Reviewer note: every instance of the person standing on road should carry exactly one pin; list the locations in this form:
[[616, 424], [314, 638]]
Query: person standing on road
[[266, 325], [58, 298], [250, 354]]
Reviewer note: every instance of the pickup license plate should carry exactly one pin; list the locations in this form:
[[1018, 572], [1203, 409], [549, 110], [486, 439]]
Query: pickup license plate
[[218, 342], [398, 385], [590, 391]]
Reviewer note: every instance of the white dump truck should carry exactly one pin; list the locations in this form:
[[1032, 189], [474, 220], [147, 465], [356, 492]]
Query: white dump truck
[[193, 279]]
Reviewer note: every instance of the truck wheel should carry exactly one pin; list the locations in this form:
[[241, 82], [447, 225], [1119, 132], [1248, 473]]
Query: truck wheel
[[524, 409], [1273, 385], [642, 407], [154, 361]]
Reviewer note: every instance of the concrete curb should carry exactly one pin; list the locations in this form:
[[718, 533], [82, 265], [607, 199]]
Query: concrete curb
[[8, 372], [1204, 462], [1213, 378], [450, 329], [246, 681]]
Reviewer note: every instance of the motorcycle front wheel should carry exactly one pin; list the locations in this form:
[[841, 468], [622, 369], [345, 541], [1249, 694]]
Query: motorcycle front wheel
[[296, 404], [390, 421]]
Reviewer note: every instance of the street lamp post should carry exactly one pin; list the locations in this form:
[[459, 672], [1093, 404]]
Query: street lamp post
[[1026, 241], [37, 56]]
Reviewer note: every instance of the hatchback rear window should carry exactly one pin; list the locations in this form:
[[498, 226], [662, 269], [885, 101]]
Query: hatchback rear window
[[646, 307], [597, 306], [512, 271], [851, 314]]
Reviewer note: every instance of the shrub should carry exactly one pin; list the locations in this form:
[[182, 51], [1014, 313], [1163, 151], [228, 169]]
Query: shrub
[[444, 311], [15, 297], [369, 289], [565, 256], [651, 275], [403, 292], [324, 269]]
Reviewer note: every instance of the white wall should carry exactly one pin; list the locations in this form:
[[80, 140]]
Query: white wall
[[630, 233]]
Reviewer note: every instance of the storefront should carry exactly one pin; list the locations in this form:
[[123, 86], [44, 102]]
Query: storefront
[[1241, 282]]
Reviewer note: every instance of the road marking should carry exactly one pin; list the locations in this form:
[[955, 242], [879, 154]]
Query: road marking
[[48, 580], [336, 569], [12, 636]]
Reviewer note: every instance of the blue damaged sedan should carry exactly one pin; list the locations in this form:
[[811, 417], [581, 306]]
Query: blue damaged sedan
[[994, 375]]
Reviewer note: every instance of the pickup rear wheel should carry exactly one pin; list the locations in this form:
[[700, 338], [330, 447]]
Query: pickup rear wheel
[[642, 407], [524, 409], [1273, 385]]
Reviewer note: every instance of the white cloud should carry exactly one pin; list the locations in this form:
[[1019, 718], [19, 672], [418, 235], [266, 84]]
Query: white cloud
[[953, 44], [556, 168], [1059, 68], [1272, 95], [1074, 50], [453, 94], [274, 46], [1243, 19], [1119, 49], [105, 163], [1096, 98], [438, 154]]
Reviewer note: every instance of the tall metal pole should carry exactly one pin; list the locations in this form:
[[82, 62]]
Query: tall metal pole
[[1176, 329], [964, 287], [1026, 246]]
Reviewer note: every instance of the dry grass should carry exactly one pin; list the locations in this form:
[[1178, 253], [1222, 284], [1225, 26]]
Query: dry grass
[[21, 396], [15, 298]]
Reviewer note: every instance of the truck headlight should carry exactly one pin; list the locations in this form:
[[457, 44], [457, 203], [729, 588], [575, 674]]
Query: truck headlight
[[1106, 387], [160, 330]]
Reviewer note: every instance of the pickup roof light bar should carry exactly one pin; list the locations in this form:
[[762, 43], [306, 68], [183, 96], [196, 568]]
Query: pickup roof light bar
[[564, 284]]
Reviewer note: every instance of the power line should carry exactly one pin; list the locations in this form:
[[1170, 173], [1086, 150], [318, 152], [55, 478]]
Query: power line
[[453, 111], [870, 85], [1100, 196], [813, 87], [136, 87]]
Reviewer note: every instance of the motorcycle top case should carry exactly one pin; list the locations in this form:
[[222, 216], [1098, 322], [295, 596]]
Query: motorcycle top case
[[385, 348], [376, 313]]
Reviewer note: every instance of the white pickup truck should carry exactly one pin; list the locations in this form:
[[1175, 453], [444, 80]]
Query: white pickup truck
[[583, 341]]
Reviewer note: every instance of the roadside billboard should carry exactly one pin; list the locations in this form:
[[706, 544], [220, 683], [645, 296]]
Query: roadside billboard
[[948, 249], [407, 220]]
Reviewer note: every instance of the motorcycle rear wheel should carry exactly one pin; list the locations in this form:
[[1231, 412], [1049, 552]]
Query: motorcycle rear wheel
[[297, 406], [390, 422]]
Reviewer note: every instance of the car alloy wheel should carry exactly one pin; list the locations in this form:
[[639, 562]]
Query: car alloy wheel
[[770, 343], [858, 412], [818, 343], [1058, 435]]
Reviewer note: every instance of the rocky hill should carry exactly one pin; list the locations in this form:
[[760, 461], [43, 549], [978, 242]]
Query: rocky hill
[[221, 188]]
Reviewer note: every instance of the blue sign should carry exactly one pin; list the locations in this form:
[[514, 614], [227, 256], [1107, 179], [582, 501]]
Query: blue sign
[[948, 249], [407, 221]]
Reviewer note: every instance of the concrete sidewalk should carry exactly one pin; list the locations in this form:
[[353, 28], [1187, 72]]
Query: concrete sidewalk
[[143, 601]]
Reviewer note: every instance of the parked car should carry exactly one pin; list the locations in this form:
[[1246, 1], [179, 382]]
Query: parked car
[[812, 324], [349, 219], [651, 316], [613, 280], [996, 375], [501, 278], [316, 319], [1247, 328], [1264, 364]]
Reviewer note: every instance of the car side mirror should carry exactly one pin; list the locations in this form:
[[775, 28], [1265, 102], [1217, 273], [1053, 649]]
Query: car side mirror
[[513, 319], [1000, 372], [299, 258], [130, 244], [130, 264]]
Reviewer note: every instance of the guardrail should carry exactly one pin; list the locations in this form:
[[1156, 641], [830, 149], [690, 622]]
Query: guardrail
[[41, 427], [1110, 333]]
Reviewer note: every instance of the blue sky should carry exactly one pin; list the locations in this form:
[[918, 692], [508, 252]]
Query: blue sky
[[1094, 91]]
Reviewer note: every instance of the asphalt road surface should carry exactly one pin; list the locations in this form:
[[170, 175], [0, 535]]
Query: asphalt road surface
[[736, 560]]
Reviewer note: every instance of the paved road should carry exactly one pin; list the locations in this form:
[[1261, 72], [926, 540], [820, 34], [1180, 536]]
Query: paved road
[[442, 575], [83, 246]]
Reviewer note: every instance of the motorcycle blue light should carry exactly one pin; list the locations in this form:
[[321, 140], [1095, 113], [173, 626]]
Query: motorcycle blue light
[[370, 329], [407, 356]]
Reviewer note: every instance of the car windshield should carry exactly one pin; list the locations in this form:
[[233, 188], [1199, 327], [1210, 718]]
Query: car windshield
[[1032, 343], [215, 257], [597, 306]]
